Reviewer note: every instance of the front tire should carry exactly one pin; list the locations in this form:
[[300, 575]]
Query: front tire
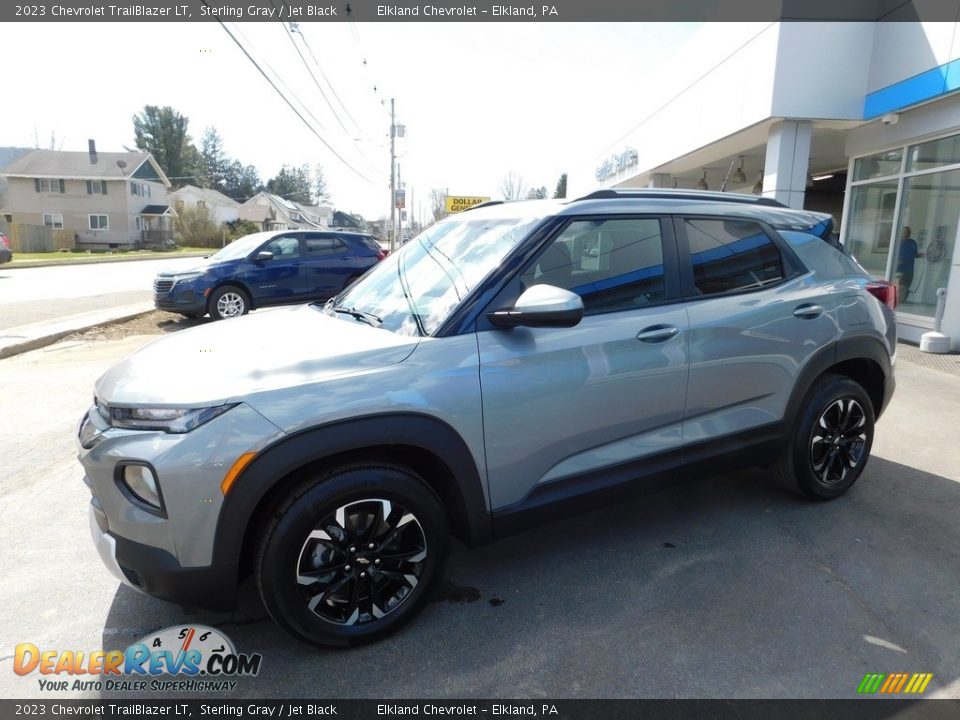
[[352, 555], [227, 302], [831, 440]]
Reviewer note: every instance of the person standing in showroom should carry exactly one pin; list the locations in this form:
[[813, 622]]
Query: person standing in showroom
[[906, 257]]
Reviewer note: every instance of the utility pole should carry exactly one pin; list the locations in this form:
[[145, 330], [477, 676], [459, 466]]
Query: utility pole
[[393, 179], [400, 214]]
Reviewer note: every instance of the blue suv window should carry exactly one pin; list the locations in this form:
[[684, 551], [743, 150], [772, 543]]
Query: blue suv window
[[283, 247], [731, 255], [325, 246]]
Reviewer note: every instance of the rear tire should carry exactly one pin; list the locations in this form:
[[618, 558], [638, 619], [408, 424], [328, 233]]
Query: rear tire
[[831, 440], [352, 555]]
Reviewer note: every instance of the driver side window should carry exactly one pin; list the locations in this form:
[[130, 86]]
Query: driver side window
[[613, 264], [283, 248]]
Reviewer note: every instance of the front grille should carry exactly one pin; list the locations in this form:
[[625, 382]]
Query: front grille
[[162, 286]]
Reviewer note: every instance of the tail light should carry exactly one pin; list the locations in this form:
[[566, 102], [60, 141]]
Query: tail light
[[6, 243], [885, 292], [381, 254]]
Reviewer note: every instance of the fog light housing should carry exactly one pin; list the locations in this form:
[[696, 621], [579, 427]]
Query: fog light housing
[[141, 482]]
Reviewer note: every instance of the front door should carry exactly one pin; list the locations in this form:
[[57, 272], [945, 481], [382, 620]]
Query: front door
[[568, 410], [278, 280]]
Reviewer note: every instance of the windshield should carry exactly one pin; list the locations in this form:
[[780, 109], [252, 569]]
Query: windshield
[[413, 291], [241, 247]]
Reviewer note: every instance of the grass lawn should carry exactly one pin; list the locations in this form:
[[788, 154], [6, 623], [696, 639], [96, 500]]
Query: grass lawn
[[66, 258]]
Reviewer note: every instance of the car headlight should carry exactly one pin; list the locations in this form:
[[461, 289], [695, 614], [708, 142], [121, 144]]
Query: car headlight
[[187, 276], [171, 420]]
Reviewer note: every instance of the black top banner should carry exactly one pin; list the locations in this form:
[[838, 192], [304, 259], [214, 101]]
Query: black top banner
[[468, 11], [863, 709]]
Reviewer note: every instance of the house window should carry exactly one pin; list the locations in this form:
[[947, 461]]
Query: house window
[[140, 224], [53, 220], [201, 203], [96, 187], [48, 185], [140, 189], [99, 222]]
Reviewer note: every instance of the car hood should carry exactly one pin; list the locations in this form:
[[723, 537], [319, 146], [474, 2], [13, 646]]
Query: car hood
[[227, 360], [201, 265]]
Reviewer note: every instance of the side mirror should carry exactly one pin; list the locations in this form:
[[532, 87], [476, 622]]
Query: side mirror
[[541, 306], [263, 256]]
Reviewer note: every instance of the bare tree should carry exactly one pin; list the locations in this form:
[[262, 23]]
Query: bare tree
[[438, 204], [512, 186]]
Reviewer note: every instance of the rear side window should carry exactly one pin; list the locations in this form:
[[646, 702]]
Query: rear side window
[[731, 255], [324, 246], [614, 264], [370, 242]]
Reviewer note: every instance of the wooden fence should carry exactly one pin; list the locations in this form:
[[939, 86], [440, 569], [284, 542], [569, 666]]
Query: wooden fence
[[36, 238]]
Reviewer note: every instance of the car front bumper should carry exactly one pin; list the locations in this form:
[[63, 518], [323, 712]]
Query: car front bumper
[[181, 299], [168, 552], [157, 572]]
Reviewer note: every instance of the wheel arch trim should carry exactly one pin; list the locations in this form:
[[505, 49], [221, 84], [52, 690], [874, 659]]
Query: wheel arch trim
[[377, 433], [860, 347]]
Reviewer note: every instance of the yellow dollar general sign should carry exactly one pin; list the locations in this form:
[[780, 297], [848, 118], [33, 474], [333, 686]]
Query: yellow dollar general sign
[[459, 203], [894, 683]]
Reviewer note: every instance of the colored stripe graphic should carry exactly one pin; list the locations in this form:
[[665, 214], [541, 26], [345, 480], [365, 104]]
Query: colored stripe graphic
[[871, 683], [894, 683]]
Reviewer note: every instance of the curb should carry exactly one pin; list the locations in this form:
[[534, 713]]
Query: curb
[[17, 340]]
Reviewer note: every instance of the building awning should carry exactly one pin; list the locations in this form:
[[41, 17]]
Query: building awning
[[156, 210]]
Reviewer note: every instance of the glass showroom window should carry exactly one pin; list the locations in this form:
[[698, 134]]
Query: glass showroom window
[[903, 218]]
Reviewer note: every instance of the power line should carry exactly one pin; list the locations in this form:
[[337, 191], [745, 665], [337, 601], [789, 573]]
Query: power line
[[287, 100], [324, 95], [323, 75]]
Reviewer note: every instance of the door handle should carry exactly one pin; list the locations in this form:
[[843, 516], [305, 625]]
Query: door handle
[[808, 312], [657, 333]]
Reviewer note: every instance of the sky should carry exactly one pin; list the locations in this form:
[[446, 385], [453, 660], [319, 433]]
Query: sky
[[478, 100]]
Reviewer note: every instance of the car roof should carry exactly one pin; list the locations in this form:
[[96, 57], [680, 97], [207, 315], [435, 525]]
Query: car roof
[[655, 201]]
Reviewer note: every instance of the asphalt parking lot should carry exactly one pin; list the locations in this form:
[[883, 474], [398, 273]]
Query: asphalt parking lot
[[721, 587]]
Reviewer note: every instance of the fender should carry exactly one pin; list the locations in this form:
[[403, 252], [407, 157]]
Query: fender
[[858, 347], [465, 500]]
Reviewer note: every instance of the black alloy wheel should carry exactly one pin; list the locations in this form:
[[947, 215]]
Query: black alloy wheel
[[351, 554], [830, 440]]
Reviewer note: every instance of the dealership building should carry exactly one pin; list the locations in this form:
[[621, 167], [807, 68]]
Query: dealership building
[[858, 119]]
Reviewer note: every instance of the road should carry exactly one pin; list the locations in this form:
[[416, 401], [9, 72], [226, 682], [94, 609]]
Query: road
[[29, 295], [722, 587]]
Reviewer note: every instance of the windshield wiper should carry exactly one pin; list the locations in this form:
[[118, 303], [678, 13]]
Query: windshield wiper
[[366, 317]]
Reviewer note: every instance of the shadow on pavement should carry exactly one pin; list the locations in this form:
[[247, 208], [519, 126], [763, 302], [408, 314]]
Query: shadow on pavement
[[721, 587]]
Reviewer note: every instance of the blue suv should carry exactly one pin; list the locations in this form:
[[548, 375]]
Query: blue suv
[[267, 268]]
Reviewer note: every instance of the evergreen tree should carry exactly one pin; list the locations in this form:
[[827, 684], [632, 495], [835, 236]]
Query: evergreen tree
[[216, 164], [561, 191], [163, 132]]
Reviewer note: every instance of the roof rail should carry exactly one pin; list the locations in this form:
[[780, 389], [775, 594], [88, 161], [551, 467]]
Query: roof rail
[[488, 203], [662, 193]]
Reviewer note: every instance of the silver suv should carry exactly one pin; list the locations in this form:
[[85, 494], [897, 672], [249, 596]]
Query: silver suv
[[513, 363]]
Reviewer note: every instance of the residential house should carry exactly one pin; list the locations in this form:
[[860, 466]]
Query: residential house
[[283, 214], [346, 221], [220, 208], [112, 199]]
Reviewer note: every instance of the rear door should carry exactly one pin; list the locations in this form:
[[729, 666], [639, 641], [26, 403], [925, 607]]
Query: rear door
[[567, 411], [756, 318], [328, 263]]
